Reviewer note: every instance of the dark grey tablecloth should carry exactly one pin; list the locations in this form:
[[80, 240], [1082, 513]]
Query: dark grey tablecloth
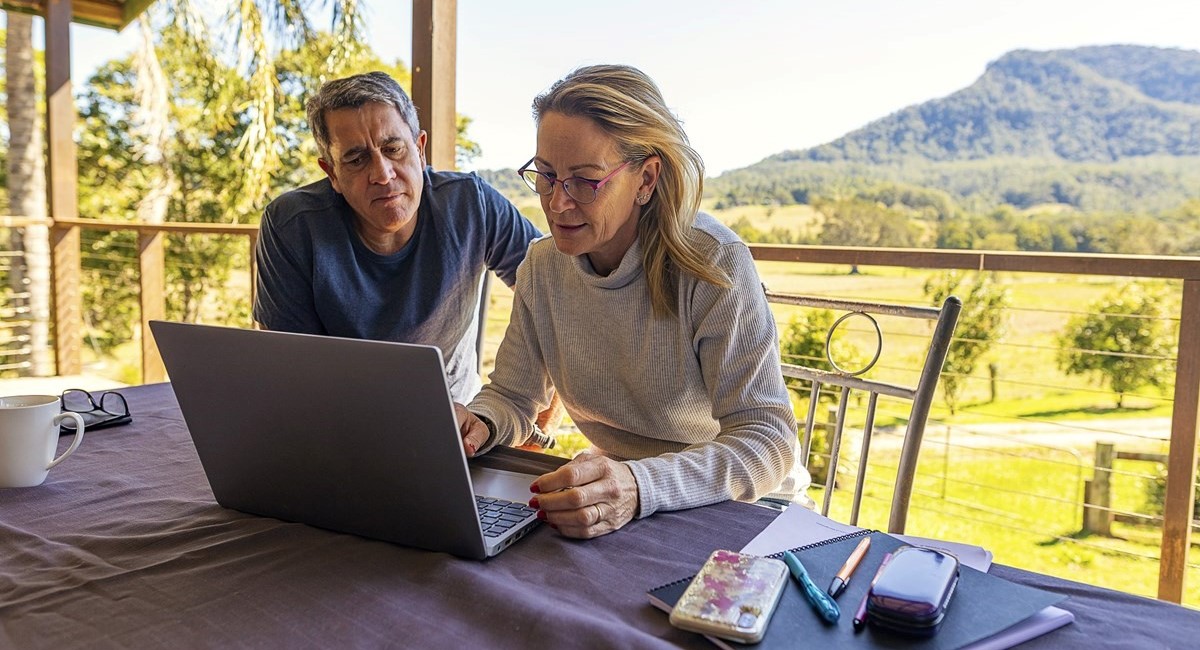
[[123, 546]]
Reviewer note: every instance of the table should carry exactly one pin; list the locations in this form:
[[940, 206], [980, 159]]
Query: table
[[124, 546]]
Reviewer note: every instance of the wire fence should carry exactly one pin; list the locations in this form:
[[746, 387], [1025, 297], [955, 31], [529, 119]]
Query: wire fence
[[1008, 467], [15, 340]]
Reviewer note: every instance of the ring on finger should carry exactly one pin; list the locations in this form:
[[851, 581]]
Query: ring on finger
[[599, 512]]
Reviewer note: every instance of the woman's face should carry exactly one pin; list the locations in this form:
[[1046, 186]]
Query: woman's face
[[604, 229]]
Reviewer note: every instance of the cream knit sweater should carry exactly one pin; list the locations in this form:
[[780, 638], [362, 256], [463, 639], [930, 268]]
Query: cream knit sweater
[[695, 405]]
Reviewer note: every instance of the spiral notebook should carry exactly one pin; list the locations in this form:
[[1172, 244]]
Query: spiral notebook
[[983, 605]]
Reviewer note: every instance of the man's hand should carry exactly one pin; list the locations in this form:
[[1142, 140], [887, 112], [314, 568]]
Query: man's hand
[[474, 432], [550, 419], [590, 496]]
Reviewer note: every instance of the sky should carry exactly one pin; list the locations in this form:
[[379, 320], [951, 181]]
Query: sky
[[748, 78]]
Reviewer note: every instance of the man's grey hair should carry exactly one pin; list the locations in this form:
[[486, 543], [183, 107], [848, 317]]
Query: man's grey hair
[[353, 92]]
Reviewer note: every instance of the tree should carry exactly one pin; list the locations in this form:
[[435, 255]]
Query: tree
[[1123, 341], [860, 222], [263, 98], [980, 325], [252, 95], [1034, 234], [121, 181], [143, 155], [26, 176], [802, 343]]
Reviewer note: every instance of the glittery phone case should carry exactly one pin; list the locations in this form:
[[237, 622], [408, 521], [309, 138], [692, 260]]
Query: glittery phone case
[[732, 597]]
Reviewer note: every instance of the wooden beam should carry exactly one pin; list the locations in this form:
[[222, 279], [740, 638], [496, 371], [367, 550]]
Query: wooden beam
[[1136, 266], [1181, 462], [167, 226], [111, 14], [151, 274], [63, 177], [433, 76]]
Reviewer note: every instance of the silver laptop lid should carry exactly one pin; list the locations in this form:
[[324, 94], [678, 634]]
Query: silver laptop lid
[[346, 434]]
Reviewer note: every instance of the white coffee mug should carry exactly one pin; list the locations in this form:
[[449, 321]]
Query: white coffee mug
[[29, 437]]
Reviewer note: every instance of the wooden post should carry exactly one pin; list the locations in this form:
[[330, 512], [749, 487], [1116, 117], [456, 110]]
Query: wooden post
[[62, 173], [253, 239], [434, 46], [151, 269], [66, 267], [993, 374], [1181, 464], [1097, 494]]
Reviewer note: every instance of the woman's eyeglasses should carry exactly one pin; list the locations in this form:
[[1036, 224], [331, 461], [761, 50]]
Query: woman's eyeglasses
[[581, 190], [109, 411]]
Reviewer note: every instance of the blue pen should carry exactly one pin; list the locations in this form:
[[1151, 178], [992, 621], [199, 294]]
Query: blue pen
[[825, 606]]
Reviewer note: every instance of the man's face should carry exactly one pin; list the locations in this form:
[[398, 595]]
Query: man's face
[[377, 165]]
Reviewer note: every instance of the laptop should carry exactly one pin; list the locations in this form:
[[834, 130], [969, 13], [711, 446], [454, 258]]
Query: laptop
[[344, 434]]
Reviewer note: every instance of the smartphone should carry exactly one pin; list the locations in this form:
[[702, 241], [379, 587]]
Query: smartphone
[[913, 591], [732, 597]]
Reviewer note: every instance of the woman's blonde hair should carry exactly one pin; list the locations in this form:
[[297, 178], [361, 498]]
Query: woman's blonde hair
[[629, 107]]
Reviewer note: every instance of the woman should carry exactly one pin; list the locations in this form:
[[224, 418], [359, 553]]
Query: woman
[[648, 318]]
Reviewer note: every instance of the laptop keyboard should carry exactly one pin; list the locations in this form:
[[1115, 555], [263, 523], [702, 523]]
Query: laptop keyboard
[[496, 516]]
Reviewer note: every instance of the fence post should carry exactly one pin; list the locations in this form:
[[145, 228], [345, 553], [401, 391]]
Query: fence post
[[993, 374], [945, 460], [830, 426], [1097, 494]]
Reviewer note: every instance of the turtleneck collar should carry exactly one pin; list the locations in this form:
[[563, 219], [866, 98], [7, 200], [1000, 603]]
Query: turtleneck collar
[[629, 270]]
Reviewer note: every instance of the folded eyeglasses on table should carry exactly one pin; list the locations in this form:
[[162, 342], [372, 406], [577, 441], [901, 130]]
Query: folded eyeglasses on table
[[109, 410]]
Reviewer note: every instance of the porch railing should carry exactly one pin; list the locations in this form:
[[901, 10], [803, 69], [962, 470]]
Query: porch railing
[[1181, 464], [65, 248]]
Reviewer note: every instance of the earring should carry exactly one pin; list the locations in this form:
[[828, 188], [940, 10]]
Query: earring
[[643, 199]]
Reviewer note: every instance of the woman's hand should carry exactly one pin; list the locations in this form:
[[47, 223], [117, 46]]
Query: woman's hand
[[474, 432], [590, 496]]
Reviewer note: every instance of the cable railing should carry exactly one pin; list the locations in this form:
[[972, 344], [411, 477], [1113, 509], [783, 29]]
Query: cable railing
[[969, 455], [16, 342], [1064, 412]]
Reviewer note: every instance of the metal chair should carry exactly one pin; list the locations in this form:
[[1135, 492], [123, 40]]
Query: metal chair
[[921, 395], [481, 312]]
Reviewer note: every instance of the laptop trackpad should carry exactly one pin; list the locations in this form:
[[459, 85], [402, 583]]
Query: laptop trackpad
[[501, 484]]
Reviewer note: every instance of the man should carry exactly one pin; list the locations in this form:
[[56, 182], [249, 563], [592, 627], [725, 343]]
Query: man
[[385, 247]]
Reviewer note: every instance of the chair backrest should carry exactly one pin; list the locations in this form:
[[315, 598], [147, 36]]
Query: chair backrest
[[481, 313], [921, 395]]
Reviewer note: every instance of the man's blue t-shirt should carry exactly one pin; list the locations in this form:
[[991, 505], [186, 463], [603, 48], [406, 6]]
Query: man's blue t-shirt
[[315, 275]]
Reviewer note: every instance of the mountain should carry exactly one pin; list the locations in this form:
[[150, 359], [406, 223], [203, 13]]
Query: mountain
[[1112, 128], [1091, 104]]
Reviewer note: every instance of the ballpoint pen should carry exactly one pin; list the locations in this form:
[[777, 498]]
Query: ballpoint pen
[[860, 614], [820, 600], [843, 574]]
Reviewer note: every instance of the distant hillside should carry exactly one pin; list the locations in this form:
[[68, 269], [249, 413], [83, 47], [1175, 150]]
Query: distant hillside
[[505, 180], [1147, 185], [1092, 104], [1101, 129]]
